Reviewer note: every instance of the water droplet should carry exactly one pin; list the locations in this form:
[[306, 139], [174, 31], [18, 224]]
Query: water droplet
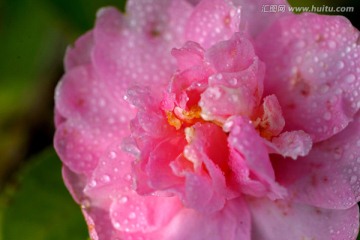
[[340, 65], [300, 44], [128, 177], [92, 183], [112, 155], [102, 102], [132, 215], [353, 179], [214, 93], [327, 116], [117, 225], [332, 44], [123, 199], [233, 81], [105, 178], [350, 78], [325, 88], [85, 203]]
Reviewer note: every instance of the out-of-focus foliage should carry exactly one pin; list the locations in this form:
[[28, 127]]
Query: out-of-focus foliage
[[39, 206], [33, 38]]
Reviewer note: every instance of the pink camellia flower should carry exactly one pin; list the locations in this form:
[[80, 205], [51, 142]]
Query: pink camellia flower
[[213, 120]]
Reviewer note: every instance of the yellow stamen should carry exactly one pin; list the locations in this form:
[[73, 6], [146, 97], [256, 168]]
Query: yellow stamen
[[173, 120]]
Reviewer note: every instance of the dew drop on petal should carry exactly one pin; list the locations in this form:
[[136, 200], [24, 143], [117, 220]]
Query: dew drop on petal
[[132, 215], [327, 116], [93, 183], [233, 81], [123, 199], [112, 155], [85, 203], [350, 78], [332, 44], [353, 179], [340, 65], [105, 178]]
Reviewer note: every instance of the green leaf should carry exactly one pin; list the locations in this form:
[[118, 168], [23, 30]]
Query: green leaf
[[40, 207]]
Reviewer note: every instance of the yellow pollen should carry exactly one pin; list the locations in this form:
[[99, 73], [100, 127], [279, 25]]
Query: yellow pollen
[[187, 118], [194, 112], [173, 120]]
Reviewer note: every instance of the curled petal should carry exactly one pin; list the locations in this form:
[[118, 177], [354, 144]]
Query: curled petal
[[249, 159], [80, 54], [293, 144], [272, 121], [313, 71]]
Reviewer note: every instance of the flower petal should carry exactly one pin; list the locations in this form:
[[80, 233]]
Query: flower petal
[[313, 72], [248, 154], [134, 213], [293, 144], [158, 169], [212, 21], [231, 223], [206, 189], [281, 220], [256, 15], [329, 176], [272, 121], [237, 87], [80, 54], [140, 43]]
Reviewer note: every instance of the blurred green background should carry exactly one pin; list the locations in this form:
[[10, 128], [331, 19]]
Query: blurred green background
[[34, 204]]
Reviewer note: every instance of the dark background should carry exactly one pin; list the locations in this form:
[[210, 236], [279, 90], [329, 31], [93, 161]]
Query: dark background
[[33, 37]]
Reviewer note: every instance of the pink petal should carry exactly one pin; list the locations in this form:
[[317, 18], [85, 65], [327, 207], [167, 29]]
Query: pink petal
[[80, 54], [74, 183], [272, 121], [135, 50], [313, 71], [256, 16], [189, 84], [281, 220], [90, 117], [233, 55], [293, 144], [112, 176], [329, 176], [81, 95], [206, 190], [199, 194], [158, 169], [248, 154], [231, 223], [237, 87], [134, 213], [190, 55], [212, 21], [219, 103], [78, 147]]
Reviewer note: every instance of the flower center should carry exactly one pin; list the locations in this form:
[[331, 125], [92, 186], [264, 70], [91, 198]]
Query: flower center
[[179, 118]]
